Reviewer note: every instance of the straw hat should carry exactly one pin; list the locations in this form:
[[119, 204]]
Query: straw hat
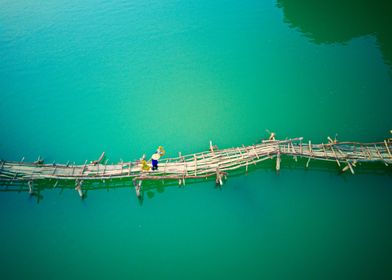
[[156, 156]]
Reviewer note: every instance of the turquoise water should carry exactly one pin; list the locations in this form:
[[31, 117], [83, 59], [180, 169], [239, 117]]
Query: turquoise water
[[78, 78]]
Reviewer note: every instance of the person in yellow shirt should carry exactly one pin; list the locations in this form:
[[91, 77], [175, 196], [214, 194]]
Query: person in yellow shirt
[[145, 166]]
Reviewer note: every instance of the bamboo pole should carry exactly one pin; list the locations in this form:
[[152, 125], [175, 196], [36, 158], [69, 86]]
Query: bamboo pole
[[84, 166], [325, 152], [225, 160], [242, 156], [379, 154], [363, 151], [164, 169], [248, 154], [218, 178], [333, 151], [369, 152], [294, 151], [54, 170], [212, 148], [386, 146], [348, 167], [307, 163], [253, 147], [195, 164], [351, 168], [300, 146]]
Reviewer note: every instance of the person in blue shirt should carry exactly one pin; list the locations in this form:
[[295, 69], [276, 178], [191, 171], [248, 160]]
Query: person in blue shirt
[[154, 160]]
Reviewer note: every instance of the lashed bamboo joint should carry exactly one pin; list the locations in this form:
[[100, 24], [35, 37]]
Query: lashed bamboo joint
[[212, 163]]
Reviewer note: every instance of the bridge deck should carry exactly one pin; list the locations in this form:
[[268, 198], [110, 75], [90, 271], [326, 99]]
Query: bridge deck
[[204, 164]]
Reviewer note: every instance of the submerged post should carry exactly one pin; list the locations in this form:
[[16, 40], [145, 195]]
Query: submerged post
[[137, 186], [218, 179], [30, 184], [78, 187]]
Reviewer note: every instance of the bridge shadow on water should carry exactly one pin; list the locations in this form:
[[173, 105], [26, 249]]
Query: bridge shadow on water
[[335, 21], [153, 187]]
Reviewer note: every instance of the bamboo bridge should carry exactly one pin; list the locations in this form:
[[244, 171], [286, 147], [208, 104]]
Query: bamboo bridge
[[214, 163]]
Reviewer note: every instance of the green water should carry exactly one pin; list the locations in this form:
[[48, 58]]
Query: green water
[[81, 77]]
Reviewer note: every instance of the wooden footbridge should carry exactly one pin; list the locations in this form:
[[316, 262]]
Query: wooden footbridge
[[212, 163]]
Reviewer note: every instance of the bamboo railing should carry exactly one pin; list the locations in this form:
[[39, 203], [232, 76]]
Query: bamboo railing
[[212, 163]]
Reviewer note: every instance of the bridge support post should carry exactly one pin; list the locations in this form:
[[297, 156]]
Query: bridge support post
[[138, 186], [78, 187], [30, 184], [218, 179], [348, 166], [307, 163]]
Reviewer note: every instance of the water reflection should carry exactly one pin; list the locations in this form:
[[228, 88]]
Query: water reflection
[[335, 21]]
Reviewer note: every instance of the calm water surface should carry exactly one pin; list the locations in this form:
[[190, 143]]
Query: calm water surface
[[78, 78]]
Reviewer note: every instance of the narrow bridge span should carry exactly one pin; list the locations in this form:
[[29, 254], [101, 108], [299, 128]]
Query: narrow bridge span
[[213, 162]]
